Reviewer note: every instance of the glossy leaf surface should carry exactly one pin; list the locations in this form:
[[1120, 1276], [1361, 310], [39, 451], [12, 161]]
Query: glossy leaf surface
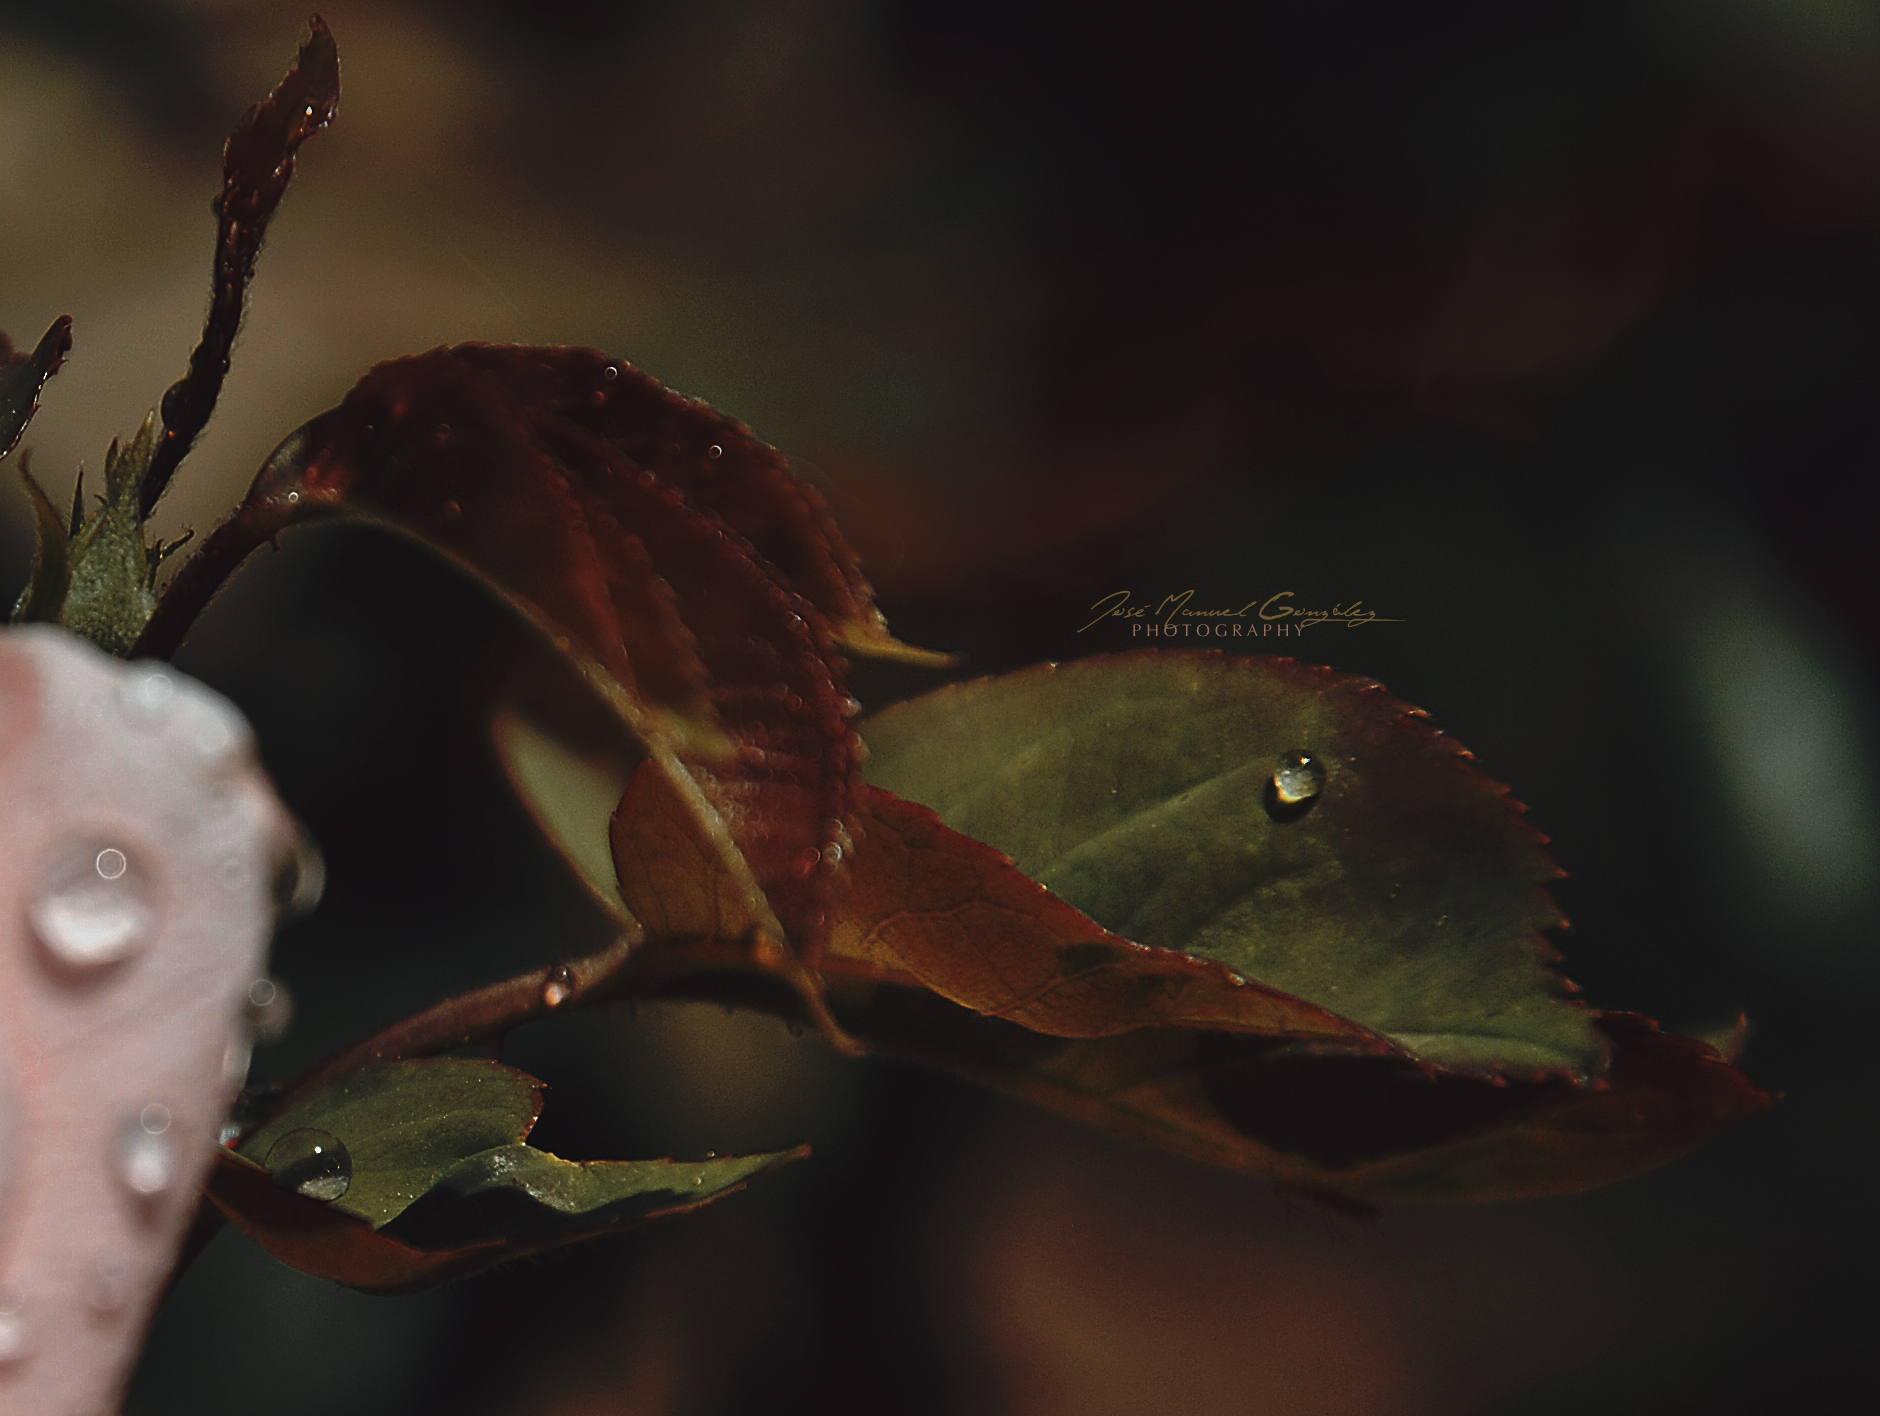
[[1405, 895], [23, 374], [696, 584], [438, 1183]]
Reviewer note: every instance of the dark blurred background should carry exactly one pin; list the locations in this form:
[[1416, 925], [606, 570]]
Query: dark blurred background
[[1549, 331]]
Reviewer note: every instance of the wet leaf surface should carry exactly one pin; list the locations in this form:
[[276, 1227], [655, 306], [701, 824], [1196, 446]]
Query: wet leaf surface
[[437, 1181], [1400, 890], [257, 165], [697, 585]]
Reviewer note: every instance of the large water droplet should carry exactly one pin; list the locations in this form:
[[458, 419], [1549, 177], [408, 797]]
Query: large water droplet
[[300, 881], [312, 1163], [145, 694], [14, 1334], [270, 1009], [1299, 777], [144, 1153], [93, 905]]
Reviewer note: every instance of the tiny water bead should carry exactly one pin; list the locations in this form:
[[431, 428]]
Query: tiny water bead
[[144, 1153], [714, 451], [1299, 777], [270, 1009], [93, 906], [559, 985], [14, 1334], [311, 1162]]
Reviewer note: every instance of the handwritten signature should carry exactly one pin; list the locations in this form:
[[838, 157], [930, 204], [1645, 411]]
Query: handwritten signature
[[1175, 614]]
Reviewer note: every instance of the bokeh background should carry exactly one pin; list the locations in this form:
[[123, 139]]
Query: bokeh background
[[1550, 331]]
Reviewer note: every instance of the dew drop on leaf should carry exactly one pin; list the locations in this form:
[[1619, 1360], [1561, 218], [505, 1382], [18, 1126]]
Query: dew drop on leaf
[[144, 1154], [1299, 777], [93, 906], [312, 1163]]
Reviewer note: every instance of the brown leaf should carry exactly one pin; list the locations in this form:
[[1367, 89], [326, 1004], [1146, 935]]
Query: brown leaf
[[587, 495], [926, 905], [257, 165]]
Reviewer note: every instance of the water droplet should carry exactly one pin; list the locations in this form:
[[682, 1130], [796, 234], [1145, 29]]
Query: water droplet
[[714, 451], [145, 694], [805, 864], [610, 372], [832, 853], [14, 1333], [270, 1009], [698, 1179], [93, 906], [235, 873], [109, 1288], [443, 432], [1299, 777], [144, 1153], [559, 985], [647, 479], [452, 510], [598, 398], [300, 880], [312, 1163]]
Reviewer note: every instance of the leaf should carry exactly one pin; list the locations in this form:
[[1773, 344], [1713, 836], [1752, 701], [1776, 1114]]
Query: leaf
[[113, 572], [590, 497], [257, 165], [927, 906], [23, 375], [440, 1184], [1406, 896], [1347, 1130]]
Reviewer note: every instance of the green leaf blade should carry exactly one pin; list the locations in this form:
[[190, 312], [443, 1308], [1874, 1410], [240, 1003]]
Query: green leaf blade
[[439, 1182], [1408, 897]]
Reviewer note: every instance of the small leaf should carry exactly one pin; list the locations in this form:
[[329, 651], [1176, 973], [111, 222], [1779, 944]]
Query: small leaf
[[257, 165], [438, 1184], [23, 375], [1399, 890], [113, 571]]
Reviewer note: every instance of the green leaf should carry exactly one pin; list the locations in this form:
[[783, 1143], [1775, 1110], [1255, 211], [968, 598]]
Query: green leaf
[[1406, 895], [518, 1193], [572, 797], [113, 571], [437, 1181], [406, 1124]]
